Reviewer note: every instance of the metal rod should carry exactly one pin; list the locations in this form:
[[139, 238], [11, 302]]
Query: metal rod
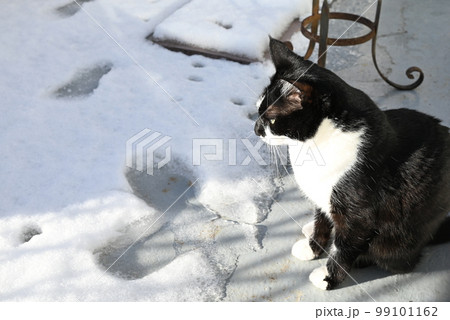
[[323, 34], [314, 26]]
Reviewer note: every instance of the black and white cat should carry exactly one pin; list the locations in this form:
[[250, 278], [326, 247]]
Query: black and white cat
[[382, 191]]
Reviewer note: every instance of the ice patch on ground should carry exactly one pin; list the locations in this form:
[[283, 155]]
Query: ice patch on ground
[[244, 200], [130, 259], [193, 276], [187, 225]]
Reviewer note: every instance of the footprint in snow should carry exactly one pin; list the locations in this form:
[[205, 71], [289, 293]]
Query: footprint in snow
[[28, 232], [237, 101], [84, 82], [71, 8], [195, 78], [198, 65]]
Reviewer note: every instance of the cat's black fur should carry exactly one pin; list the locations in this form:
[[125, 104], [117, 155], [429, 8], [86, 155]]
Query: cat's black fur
[[394, 200]]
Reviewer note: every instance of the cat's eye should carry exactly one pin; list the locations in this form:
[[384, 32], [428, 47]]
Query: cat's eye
[[272, 121]]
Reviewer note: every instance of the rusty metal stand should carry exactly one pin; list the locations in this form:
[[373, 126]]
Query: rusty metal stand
[[323, 18]]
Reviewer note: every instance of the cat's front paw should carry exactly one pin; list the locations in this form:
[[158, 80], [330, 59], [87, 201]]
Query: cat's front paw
[[308, 229], [302, 250], [319, 278]]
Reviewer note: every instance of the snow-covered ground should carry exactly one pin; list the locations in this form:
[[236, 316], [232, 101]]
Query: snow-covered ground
[[77, 84]]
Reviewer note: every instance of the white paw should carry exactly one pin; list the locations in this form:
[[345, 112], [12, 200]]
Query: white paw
[[308, 229], [317, 277], [301, 250]]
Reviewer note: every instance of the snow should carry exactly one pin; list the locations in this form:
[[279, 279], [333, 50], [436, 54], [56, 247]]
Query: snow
[[225, 25], [72, 99], [77, 225]]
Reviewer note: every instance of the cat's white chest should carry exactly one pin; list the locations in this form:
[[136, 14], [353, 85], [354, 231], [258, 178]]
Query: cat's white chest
[[319, 163]]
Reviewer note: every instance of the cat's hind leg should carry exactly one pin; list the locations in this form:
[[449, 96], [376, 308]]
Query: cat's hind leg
[[402, 263], [363, 262]]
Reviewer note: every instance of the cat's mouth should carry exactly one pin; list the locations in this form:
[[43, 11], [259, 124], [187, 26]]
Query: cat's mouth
[[260, 126], [263, 130]]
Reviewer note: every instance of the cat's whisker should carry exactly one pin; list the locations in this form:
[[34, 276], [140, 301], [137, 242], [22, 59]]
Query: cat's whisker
[[272, 156], [282, 159], [284, 167], [273, 159], [280, 154], [276, 162], [277, 156]]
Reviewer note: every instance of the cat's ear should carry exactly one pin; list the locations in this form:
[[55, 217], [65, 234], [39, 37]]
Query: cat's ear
[[295, 98], [281, 54], [289, 45]]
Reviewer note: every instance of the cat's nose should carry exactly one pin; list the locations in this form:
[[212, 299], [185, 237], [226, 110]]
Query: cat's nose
[[259, 128]]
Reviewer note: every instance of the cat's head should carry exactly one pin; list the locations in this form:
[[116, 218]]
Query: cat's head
[[297, 99]]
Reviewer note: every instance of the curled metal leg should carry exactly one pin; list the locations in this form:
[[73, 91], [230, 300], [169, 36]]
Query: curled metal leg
[[409, 71]]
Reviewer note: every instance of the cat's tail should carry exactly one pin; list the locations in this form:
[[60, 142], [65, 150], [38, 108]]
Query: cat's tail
[[443, 233]]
